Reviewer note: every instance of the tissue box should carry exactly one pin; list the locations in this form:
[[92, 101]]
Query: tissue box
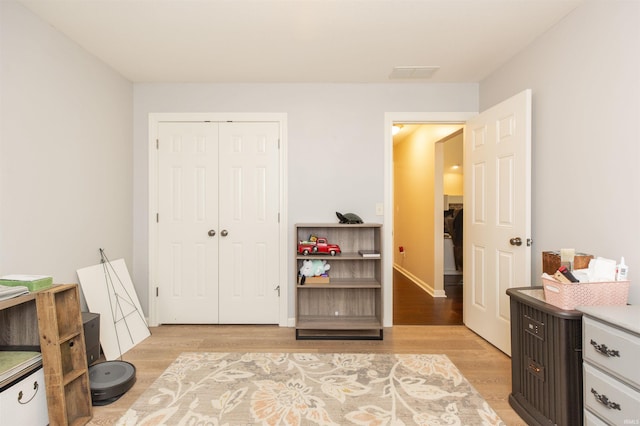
[[32, 282], [569, 296], [551, 261]]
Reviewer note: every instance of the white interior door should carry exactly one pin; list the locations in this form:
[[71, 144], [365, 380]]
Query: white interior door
[[497, 220], [249, 243], [187, 211], [218, 230]]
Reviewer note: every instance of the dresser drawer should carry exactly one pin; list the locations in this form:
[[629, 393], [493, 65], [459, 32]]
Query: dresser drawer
[[610, 399], [614, 350], [591, 419]]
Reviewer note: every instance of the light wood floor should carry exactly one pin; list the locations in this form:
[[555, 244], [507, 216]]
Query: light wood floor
[[488, 369]]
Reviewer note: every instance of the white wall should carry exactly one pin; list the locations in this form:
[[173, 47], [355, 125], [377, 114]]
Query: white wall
[[585, 77], [66, 166], [335, 141], [65, 152]]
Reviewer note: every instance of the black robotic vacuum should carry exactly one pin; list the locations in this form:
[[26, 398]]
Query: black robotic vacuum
[[110, 380]]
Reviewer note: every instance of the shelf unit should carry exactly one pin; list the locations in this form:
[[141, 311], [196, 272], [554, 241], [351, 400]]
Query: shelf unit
[[350, 305], [64, 355], [50, 321]]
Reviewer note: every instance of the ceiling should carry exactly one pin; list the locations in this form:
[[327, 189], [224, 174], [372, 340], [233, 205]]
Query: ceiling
[[306, 41]]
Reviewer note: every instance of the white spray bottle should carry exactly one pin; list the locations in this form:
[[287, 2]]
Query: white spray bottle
[[623, 271]]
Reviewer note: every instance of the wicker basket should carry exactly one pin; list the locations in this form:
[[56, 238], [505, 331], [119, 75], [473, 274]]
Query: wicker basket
[[568, 296]]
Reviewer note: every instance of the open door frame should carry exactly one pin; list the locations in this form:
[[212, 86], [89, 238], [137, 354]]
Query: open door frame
[[387, 229]]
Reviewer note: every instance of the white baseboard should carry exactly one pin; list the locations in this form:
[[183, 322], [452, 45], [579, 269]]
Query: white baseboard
[[420, 283]]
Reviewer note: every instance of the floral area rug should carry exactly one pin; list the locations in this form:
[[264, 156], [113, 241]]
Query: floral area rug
[[310, 389]]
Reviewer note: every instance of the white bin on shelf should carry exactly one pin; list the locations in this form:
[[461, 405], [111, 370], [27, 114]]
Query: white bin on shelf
[[24, 402]]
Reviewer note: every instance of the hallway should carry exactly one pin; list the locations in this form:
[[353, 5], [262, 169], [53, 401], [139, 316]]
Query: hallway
[[414, 306]]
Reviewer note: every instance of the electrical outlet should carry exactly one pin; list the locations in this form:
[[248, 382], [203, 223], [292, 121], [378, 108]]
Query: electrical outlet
[[379, 209]]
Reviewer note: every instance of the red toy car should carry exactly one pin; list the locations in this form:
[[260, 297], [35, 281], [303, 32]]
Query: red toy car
[[318, 246]]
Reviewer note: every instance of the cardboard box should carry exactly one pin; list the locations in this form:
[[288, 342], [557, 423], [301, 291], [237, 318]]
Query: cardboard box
[[551, 261]]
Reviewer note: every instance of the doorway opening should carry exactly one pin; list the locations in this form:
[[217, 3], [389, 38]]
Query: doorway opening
[[427, 225]]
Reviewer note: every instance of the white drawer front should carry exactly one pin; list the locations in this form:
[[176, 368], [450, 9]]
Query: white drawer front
[[25, 403], [610, 399], [591, 419], [612, 349]]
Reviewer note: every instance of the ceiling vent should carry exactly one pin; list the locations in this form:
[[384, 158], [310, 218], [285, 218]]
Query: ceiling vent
[[413, 72]]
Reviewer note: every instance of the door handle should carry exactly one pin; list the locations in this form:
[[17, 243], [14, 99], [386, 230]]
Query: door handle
[[224, 232], [517, 241], [211, 233]]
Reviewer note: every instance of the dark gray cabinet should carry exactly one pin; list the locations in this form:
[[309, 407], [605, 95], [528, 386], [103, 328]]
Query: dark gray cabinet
[[546, 360]]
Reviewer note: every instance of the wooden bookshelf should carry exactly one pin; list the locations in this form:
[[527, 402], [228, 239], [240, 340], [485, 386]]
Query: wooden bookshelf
[[350, 305]]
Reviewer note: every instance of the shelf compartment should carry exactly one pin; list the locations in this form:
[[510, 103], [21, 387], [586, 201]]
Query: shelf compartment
[[342, 283], [328, 322], [325, 327], [350, 238], [78, 407], [71, 354], [336, 302], [368, 269], [67, 311]]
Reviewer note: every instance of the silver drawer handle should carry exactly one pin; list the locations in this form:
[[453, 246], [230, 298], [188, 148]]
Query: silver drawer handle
[[604, 350], [604, 400]]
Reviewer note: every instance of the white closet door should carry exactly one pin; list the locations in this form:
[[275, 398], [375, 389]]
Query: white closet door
[[249, 243], [188, 211], [218, 230]]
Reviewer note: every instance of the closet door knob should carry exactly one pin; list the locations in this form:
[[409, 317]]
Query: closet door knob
[[211, 233], [224, 232], [515, 241]]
